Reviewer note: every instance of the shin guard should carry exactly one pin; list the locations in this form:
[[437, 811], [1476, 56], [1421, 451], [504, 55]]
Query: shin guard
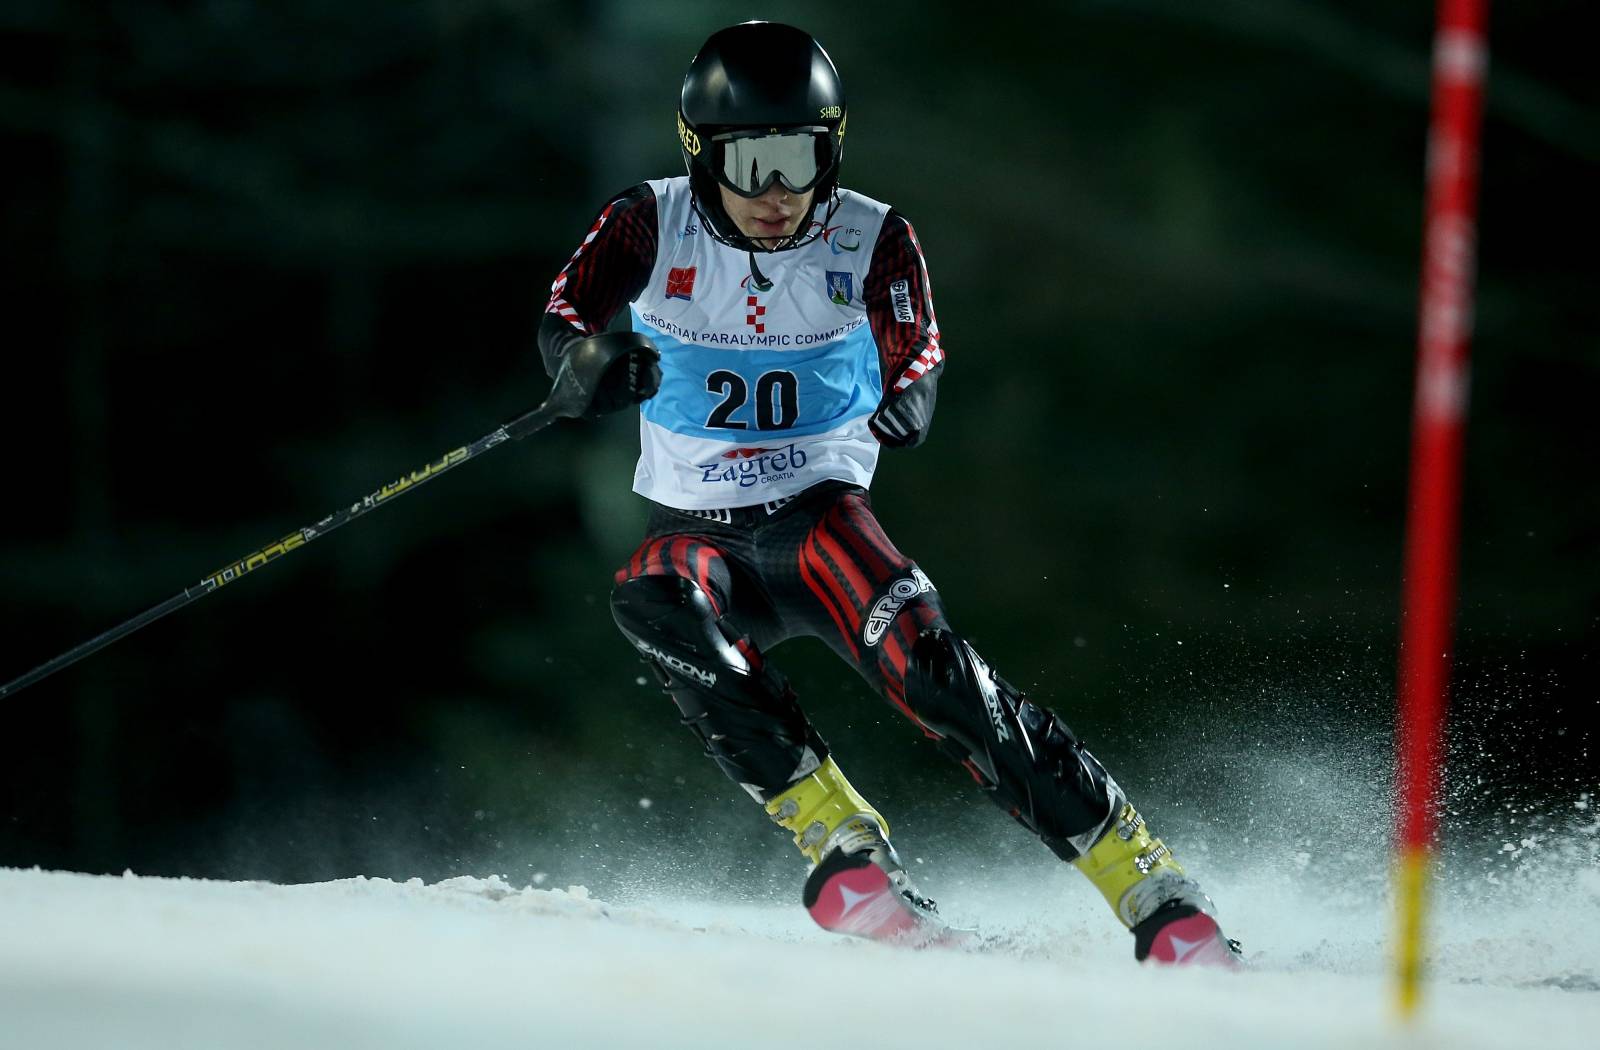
[[744, 713], [1022, 754], [1034, 767]]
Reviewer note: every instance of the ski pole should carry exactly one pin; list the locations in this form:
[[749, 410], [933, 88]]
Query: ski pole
[[585, 364]]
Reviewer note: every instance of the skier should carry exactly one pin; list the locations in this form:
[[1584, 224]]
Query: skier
[[796, 336]]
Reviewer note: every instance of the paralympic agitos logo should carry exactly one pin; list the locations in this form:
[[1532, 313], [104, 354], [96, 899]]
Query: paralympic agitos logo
[[841, 238], [746, 467]]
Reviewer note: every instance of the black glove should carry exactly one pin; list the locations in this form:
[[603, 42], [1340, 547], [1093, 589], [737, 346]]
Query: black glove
[[902, 421], [630, 379]]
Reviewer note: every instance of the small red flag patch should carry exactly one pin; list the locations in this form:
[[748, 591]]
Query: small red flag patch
[[680, 282]]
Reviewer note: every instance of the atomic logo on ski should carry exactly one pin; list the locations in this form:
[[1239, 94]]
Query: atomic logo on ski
[[852, 899], [1182, 950]]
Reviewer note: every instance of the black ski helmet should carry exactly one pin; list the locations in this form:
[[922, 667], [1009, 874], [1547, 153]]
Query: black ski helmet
[[758, 97]]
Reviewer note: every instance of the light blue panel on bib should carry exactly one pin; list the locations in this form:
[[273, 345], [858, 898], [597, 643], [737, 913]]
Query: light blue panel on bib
[[834, 382]]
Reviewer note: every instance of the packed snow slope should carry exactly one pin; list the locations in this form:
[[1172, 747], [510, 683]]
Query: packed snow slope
[[131, 962]]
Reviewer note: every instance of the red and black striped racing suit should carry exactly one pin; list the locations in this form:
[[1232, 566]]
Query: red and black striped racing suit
[[709, 592]]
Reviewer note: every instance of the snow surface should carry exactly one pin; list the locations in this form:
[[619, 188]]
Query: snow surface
[[102, 961]]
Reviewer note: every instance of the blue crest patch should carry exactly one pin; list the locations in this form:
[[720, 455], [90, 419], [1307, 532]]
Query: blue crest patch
[[841, 286]]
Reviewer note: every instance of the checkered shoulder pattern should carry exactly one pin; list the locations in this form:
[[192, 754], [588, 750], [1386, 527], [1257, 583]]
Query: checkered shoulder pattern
[[608, 270], [899, 302]]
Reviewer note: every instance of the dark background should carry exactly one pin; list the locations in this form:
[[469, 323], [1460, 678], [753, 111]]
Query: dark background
[[262, 258]]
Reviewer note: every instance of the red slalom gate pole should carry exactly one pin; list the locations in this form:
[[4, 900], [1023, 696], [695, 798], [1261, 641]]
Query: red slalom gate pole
[[1460, 57]]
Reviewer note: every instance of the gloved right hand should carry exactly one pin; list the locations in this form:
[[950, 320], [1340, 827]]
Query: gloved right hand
[[630, 379]]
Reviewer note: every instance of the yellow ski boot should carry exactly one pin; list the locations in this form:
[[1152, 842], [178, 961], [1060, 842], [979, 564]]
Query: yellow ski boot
[[824, 811], [858, 886], [1171, 918]]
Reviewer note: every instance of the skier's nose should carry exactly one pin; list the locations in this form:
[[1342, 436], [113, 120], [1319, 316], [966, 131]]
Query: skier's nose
[[775, 197]]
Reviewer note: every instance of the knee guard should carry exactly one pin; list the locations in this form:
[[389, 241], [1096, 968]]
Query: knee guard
[[1021, 753], [743, 712]]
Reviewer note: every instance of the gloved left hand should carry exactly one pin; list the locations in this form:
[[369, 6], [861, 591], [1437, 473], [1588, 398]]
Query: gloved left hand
[[630, 379], [902, 421]]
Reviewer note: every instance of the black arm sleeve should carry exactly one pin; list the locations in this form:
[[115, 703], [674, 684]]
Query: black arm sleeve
[[900, 309], [608, 270]]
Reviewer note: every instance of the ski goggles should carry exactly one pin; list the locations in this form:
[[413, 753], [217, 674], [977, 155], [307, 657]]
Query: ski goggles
[[750, 162]]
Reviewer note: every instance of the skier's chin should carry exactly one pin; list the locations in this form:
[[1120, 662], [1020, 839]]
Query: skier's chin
[[770, 235]]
